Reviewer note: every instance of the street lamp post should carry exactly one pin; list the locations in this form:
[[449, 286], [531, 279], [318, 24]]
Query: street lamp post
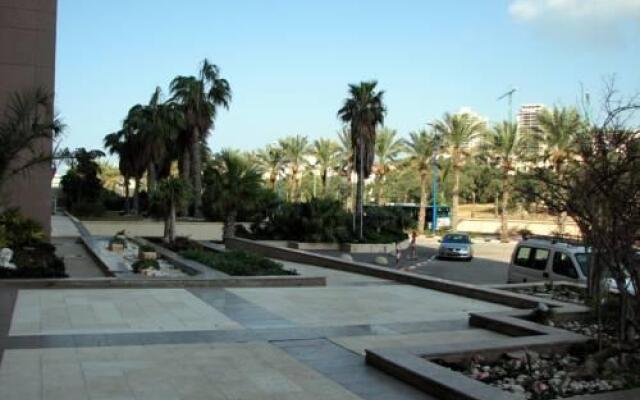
[[436, 173]]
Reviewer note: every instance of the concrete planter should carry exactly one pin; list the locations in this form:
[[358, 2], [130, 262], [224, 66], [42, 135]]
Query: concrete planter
[[147, 255], [117, 247]]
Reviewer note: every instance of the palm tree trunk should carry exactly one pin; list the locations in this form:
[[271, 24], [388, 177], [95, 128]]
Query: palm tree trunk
[[380, 199], [359, 192], [126, 195], [185, 175], [324, 182], [504, 224], [422, 214], [172, 222], [151, 178], [349, 203], [136, 196], [455, 203], [196, 171], [229, 225]]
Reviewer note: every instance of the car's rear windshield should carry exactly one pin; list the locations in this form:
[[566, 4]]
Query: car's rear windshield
[[456, 239], [583, 261]]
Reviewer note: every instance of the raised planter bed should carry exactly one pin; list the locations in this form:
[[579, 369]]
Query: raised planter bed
[[487, 370]]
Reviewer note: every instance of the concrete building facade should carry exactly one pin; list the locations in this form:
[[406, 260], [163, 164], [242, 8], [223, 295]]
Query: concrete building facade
[[27, 61]]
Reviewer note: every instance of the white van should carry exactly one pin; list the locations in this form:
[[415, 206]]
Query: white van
[[542, 260]]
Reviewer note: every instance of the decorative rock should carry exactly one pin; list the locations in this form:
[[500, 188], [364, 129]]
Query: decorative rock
[[382, 260], [5, 258]]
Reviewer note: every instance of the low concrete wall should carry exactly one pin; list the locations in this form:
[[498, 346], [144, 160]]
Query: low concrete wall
[[150, 228], [472, 291], [492, 226], [368, 247], [313, 246]]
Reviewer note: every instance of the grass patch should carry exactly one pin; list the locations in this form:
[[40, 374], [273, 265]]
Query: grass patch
[[238, 263]]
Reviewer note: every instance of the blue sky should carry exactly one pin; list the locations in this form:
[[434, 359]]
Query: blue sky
[[289, 62]]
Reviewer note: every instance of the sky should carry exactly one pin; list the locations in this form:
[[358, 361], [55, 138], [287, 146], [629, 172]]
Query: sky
[[289, 62]]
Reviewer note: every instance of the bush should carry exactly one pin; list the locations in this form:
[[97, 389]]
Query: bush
[[386, 225], [238, 263], [18, 230], [144, 264], [38, 260], [85, 208], [319, 220]]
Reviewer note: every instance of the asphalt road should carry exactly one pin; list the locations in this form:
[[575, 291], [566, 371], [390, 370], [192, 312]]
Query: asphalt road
[[489, 265]]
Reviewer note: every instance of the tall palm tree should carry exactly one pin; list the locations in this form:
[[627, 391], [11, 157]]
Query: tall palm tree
[[296, 149], [326, 153], [505, 145], [364, 111], [388, 148], [556, 136], [199, 99], [458, 132], [128, 144], [271, 160], [421, 148]]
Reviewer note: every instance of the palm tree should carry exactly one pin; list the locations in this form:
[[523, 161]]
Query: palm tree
[[326, 153], [271, 160], [236, 183], [364, 111], [421, 148], [505, 145], [110, 177], [199, 99], [169, 195], [295, 149], [388, 148], [128, 144], [458, 131], [24, 124], [556, 135]]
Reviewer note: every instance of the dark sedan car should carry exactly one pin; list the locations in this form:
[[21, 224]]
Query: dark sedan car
[[456, 246]]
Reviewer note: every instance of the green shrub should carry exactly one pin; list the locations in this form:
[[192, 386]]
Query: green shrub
[[18, 230], [238, 263], [86, 208], [144, 264], [38, 260], [147, 249]]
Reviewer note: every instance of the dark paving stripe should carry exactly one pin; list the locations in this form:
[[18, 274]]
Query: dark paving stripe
[[240, 310], [228, 336], [349, 370], [7, 302]]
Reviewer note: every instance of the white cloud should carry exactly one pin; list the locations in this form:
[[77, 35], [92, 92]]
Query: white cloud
[[575, 10]]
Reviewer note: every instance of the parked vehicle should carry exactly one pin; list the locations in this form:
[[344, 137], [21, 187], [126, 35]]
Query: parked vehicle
[[542, 260], [548, 259], [456, 246]]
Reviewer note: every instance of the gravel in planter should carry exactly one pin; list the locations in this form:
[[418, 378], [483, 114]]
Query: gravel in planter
[[542, 376]]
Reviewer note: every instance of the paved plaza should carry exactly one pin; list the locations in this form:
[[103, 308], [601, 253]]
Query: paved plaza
[[302, 343]]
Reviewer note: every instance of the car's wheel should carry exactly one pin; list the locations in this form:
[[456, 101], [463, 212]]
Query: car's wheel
[[469, 259]]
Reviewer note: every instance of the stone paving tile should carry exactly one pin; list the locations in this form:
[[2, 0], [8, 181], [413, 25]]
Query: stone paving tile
[[246, 313], [349, 370], [179, 372], [351, 305], [103, 311]]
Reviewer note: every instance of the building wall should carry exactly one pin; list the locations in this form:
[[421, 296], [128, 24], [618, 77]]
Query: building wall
[[27, 60]]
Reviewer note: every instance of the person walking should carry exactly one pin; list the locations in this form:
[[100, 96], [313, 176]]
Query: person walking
[[412, 245]]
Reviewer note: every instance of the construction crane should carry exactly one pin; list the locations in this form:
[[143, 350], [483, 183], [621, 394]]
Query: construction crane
[[509, 94]]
